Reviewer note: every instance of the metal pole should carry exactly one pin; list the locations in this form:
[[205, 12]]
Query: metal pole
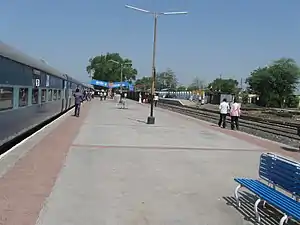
[[151, 119]]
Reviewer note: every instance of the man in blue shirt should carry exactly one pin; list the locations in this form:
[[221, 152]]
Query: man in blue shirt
[[78, 100]]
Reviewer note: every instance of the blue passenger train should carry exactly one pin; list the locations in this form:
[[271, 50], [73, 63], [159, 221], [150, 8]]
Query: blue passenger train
[[31, 92]]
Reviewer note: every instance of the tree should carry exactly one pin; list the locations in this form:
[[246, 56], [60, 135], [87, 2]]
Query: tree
[[165, 80], [259, 84], [144, 83], [103, 69], [181, 88], [244, 97], [197, 84], [228, 86], [275, 83]]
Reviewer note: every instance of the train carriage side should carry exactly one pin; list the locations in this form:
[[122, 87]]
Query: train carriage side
[[29, 93]]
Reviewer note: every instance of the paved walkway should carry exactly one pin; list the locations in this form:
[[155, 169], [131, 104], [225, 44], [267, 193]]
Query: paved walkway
[[123, 171], [119, 170]]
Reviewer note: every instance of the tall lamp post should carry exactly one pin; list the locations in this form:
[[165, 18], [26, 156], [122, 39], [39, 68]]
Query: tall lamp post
[[121, 75], [151, 118]]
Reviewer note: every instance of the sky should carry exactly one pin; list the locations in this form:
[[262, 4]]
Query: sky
[[228, 37]]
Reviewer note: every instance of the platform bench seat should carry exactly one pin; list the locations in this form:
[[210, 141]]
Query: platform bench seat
[[278, 173]]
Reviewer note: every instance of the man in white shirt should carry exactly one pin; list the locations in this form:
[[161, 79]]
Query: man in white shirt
[[224, 108], [235, 113], [155, 99]]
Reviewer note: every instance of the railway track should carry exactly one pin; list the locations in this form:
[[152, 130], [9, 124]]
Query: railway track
[[280, 131]]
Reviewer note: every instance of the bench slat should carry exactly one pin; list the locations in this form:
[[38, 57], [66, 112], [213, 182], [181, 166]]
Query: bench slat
[[281, 172], [279, 164], [284, 203], [282, 158], [278, 180]]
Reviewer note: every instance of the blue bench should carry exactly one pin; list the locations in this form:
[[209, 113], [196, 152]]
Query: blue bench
[[280, 189]]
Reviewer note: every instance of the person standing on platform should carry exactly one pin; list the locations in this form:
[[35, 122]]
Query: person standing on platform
[[78, 100], [155, 99], [224, 108], [235, 113]]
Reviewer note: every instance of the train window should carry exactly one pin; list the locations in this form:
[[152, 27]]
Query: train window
[[23, 97], [6, 98], [44, 94], [35, 96], [59, 94], [54, 95], [49, 95]]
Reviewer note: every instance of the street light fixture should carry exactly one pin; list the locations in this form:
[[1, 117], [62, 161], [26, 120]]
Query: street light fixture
[[151, 118], [121, 76]]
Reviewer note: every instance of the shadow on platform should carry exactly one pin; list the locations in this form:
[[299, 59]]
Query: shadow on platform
[[290, 149], [269, 215]]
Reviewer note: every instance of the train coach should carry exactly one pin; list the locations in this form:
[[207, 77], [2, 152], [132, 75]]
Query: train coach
[[31, 92]]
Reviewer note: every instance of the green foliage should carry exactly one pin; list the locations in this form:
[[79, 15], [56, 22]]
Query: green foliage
[[197, 84], [228, 86], [165, 80], [244, 97], [143, 84], [292, 101], [103, 69], [275, 83], [181, 88]]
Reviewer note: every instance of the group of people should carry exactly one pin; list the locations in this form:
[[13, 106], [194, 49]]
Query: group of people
[[120, 98], [88, 95], [147, 98], [102, 95], [234, 110]]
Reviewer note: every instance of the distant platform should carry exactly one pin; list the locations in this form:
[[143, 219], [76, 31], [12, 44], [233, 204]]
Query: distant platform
[[174, 101]]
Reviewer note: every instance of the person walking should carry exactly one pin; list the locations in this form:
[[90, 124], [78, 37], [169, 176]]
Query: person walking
[[155, 99], [224, 108], [78, 100], [235, 113]]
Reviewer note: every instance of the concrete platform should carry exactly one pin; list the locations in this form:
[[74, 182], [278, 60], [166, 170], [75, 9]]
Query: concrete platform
[[119, 170]]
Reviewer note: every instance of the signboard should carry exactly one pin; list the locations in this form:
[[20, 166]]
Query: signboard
[[37, 82], [36, 72], [109, 84]]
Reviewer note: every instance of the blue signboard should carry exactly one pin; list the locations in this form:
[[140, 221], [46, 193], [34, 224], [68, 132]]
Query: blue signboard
[[111, 84], [99, 83]]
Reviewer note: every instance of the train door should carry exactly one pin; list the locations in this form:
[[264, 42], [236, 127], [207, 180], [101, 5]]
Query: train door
[[67, 93], [63, 96], [70, 94]]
